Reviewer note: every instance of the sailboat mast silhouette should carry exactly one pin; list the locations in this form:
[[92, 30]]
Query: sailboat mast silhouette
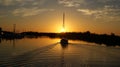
[[63, 20], [64, 41]]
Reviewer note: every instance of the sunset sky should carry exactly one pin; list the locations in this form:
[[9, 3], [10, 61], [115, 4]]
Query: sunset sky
[[96, 16]]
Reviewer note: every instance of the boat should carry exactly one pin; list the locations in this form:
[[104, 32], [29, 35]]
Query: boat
[[64, 41]]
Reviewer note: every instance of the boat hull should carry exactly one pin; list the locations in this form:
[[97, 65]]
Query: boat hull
[[64, 41]]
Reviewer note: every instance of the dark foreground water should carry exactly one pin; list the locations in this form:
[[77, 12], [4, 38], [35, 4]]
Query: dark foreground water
[[46, 52]]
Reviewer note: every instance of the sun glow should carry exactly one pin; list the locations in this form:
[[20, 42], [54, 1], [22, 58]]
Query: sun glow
[[63, 30]]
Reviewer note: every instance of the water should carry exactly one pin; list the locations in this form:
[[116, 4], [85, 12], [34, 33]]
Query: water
[[46, 52]]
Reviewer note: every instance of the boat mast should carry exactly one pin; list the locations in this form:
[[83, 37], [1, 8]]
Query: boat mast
[[63, 20], [14, 27]]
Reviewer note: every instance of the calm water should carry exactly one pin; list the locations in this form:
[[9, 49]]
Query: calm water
[[46, 52]]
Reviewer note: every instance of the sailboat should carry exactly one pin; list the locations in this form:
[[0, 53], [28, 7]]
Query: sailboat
[[64, 41]]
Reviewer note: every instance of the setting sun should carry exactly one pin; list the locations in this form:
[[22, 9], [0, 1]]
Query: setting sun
[[63, 30]]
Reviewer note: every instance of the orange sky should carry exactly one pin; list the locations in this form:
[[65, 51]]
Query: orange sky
[[46, 15]]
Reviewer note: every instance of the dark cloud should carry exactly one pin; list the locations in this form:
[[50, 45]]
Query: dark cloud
[[104, 9], [29, 11], [96, 8], [23, 7]]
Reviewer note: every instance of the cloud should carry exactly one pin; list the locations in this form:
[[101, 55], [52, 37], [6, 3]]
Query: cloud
[[2, 16], [106, 12], [70, 3], [101, 9], [21, 2], [23, 7], [6, 2], [29, 11], [89, 12]]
